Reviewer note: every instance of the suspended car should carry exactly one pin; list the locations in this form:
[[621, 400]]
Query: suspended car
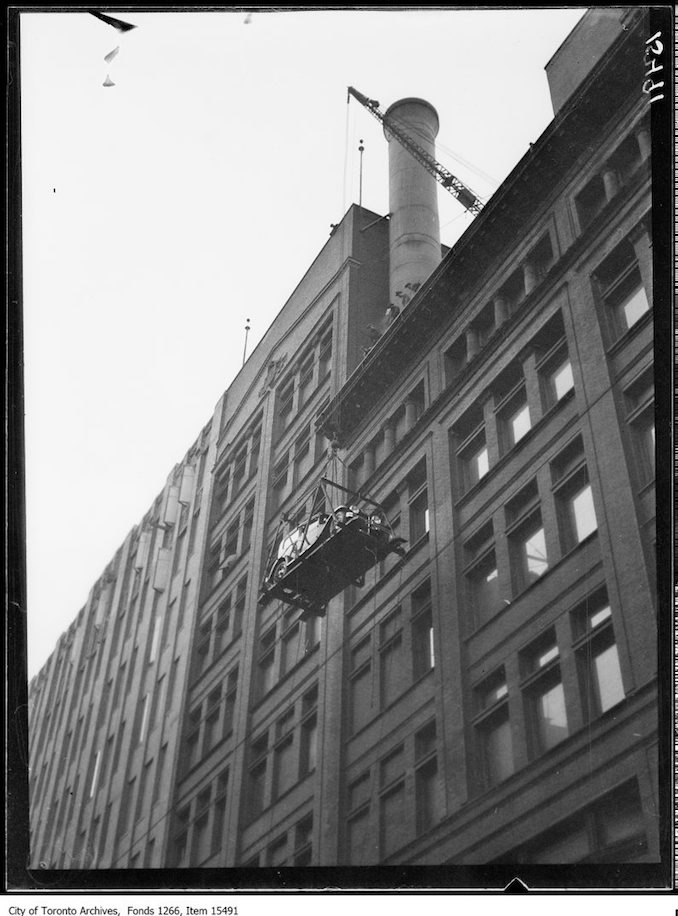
[[329, 551]]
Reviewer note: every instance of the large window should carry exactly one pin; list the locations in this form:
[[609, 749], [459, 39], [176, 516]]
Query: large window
[[493, 730], [418, 502], [544, 695], [360, 684], [391, 672], [481, 577], [621, 289], [611, 830], [597, 656], [576, 512], [423, 645], [639, 397], [429, 789], [391, 802], [528, 552]]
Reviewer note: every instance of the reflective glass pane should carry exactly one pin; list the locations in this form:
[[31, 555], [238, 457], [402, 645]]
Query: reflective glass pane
[[520, 423], [608, 678], [562, 380], [584, 514], [551, 717], [635, 306], [535, 554]]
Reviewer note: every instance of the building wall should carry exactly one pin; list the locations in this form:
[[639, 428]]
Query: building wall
[[476, 701]]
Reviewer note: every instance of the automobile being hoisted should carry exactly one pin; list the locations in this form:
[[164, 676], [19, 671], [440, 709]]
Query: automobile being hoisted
[[333, 548]]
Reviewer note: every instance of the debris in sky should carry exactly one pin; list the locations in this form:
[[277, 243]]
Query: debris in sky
[[117, 24], [111, 54], [248, 19], [108, 81]]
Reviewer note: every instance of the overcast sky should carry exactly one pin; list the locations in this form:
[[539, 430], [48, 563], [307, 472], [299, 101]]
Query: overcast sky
[[163, 211]]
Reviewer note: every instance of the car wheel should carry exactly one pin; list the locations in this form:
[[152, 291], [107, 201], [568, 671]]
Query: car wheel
[[279, 569]]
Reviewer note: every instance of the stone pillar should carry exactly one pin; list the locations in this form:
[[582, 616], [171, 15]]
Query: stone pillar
[[389, 438], [610, 183], [501, 310], [472, 345], [532, 386], [410, 414], [486, 399], [529, 276]]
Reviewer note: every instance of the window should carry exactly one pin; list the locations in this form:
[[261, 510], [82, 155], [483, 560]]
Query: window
[[280, 474], [391, 802], [257, 777], [179, 854], [423, 647], [266, 663], [361, 684], [391, 658], [528, 549], [229, 700], [493, 730], [418, 502], [200, 841], [276, 856], [544, 695], [590, 201], [429, 792], [291, 648], [219, 813], [191, 753], [639, 397], [391, 806], [360, 839], [516, 420], [597, 657], [576, 512], [126, 806], [248, 522], [581, 514], [621, 289], [239, 468], [286, 403], [325, 356], [303, 842], [309, 732], [555, 371], [211, 734], [284, 775], [482, 576], [612, 830], [306, 378]]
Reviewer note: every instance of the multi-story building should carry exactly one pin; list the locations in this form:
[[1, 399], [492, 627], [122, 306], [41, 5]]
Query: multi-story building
[[490, 697]]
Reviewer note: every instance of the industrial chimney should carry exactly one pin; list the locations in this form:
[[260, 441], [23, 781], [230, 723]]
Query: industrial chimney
[[414, 232]]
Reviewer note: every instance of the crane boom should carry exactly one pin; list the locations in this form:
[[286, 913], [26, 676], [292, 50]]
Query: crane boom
[[464, 195]]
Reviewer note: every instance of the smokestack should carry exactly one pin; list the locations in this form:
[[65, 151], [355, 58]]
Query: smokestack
[[413, 201]]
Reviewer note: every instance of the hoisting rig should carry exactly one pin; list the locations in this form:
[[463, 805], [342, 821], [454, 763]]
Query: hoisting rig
[[464, 195]]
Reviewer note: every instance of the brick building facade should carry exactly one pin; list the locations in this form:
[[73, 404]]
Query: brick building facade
[[490, 698]]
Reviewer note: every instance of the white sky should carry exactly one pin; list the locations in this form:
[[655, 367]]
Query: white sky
[[162, 212]]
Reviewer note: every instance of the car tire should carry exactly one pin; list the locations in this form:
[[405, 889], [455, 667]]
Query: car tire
[[279, 570]]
